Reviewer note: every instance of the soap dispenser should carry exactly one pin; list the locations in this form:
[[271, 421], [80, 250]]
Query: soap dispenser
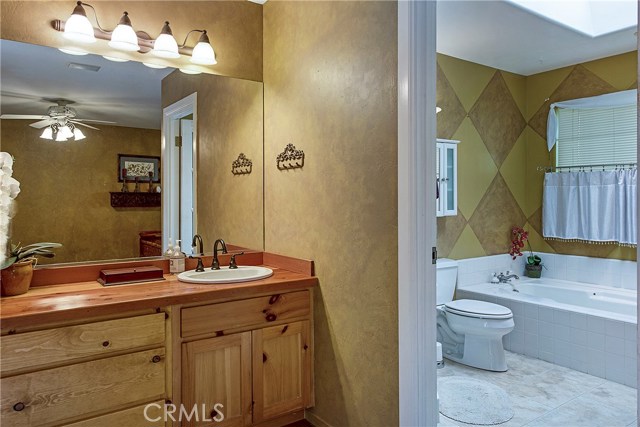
[[169, 251], [177, 260]]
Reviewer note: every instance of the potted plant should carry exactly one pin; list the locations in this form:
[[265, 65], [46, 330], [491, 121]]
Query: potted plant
[[533, 266], [17, 269]]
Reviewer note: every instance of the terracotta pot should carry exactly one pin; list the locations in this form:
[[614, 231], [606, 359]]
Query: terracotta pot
[[16, 279]]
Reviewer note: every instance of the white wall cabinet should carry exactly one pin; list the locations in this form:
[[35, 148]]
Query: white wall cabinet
[[447, 177]]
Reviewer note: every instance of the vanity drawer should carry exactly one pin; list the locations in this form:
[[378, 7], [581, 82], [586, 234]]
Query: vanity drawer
[[249, 313], [49, 347], [134, 417], [53, 395]]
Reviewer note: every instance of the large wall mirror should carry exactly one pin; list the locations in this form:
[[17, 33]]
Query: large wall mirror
[[66, 186]]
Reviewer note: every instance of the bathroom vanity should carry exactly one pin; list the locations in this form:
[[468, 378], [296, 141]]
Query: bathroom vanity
[[83, 355]]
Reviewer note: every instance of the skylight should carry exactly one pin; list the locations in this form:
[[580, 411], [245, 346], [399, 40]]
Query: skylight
[[590, 17]]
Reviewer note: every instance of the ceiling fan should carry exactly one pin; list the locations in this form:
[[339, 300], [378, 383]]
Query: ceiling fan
[[59, 122]]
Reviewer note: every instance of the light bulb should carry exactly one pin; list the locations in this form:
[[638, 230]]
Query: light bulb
[[78, 28], [78, 135], [47, 133], [203, 52], [65, 132], [165, 45], [123, 36]]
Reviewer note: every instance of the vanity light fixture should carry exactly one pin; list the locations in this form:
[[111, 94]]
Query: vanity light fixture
[[165, 45], [78, 28], [155, 66], [73, 51], [114, 59], [123, 37], [188, 71], [203, 53]]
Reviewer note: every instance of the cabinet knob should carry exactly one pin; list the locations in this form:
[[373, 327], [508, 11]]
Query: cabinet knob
[[156, 359], [105, 343], [274, 299], [19, 406]]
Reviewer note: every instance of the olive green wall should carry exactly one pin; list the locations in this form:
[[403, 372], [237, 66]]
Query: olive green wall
[[330, 78], [65, 191], [500, 119], [234, 28], [229, 122]]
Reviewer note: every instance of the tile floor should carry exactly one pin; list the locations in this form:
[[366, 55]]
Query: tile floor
[[548, 395]]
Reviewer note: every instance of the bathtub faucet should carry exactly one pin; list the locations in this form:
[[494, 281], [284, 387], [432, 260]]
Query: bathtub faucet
[[507, 279]]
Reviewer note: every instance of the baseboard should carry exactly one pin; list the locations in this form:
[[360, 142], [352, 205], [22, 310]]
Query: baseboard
[[315, 420]]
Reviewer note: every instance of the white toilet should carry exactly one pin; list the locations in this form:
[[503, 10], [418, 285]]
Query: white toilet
[[470, 331]]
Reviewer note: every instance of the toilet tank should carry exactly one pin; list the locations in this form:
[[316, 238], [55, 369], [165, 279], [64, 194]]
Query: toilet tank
[[446, 275]]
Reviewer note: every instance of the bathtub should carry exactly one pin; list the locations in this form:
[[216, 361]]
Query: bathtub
[[585, 327]]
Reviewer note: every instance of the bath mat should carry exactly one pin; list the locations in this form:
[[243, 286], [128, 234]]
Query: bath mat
[[473, 401]]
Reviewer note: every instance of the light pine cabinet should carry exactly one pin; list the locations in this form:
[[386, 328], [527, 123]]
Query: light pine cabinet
[[281, 369], [218, 371], [258, 364], [447, 177]]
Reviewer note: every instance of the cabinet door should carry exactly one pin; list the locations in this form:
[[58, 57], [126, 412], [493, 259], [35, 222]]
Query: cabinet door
[[440, 194], [450, 171], [281, 370], [217, 371]]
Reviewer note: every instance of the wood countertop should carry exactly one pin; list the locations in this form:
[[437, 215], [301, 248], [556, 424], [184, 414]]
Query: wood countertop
[[83, 300]]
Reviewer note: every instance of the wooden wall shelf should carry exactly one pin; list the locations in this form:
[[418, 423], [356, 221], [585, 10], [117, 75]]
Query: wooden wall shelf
[[135, 200]]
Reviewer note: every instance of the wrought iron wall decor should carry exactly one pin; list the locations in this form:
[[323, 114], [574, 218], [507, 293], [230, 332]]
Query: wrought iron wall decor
[[290, 158], [242, 165]]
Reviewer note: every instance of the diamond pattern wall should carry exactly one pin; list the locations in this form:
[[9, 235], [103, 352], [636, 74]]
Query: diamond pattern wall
[[500, 119]]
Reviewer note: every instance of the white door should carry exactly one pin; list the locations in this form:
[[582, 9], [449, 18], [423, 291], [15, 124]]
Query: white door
[[187, 179]]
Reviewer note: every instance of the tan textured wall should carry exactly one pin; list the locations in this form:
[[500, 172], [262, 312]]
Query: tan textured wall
[[500, 119], [65, 191], [330, 76], [230, 122], [234, 28]]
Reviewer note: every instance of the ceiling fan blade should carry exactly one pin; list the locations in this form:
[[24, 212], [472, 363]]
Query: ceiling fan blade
[[94, 121], [41, 123], [75, 122], [22, 116]]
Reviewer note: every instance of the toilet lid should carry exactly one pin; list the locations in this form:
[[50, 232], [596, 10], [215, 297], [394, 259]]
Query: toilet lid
[[481, 309]]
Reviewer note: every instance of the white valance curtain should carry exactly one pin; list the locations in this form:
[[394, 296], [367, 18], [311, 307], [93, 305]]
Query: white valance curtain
[[609, 100], [591, 206]]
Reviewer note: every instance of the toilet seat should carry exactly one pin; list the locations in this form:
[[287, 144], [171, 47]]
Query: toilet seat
[[477, 309]]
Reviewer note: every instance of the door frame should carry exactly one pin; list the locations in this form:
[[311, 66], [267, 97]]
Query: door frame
[[171, 164], [418, 404]]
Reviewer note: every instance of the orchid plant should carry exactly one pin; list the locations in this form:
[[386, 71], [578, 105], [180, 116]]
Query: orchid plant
[[9, 190], [520, 236]]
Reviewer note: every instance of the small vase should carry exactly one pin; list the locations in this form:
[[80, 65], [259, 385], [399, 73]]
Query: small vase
[[16, 278], [533, 271]]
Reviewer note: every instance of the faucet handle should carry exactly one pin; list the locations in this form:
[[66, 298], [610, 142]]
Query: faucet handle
[[232, 262], [200, 266]]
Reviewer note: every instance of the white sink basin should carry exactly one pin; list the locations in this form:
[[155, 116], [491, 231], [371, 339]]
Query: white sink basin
[[225, 275]]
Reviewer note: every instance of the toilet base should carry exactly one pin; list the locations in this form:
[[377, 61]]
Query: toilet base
[[478, 352]]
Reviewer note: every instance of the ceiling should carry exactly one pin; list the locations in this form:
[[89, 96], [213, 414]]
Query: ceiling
[[127, 93], [502, 35]]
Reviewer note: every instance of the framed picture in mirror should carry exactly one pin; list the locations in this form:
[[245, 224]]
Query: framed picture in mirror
[[131, 167]]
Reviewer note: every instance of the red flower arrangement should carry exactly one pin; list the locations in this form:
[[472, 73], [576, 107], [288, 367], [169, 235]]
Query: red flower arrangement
[[517, 243]]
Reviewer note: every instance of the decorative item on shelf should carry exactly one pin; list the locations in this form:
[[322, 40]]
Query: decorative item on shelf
[[132, 166], [242, 165], [290, 158], [136, 189], [16, 270], [135, 199], [125, 187], [150, 189], [533, 266], [79, 29]]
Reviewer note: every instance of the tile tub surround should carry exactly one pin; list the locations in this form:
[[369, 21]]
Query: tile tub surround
[[548, 395], [598, 271], [601, 347]]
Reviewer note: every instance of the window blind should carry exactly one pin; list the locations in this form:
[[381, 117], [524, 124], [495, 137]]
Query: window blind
[[596, 136]]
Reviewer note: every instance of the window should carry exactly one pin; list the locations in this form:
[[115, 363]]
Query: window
[[596, 136]]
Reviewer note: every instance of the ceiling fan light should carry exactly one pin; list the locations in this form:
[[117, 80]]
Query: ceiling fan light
[[203, 53], [60, 137], [65, 132], [78, 28], [123, 36], [47, 133], [78, 135], [165, 46]]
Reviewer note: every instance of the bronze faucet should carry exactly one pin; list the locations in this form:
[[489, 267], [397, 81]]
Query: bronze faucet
[[198, 239], [215, 265]]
